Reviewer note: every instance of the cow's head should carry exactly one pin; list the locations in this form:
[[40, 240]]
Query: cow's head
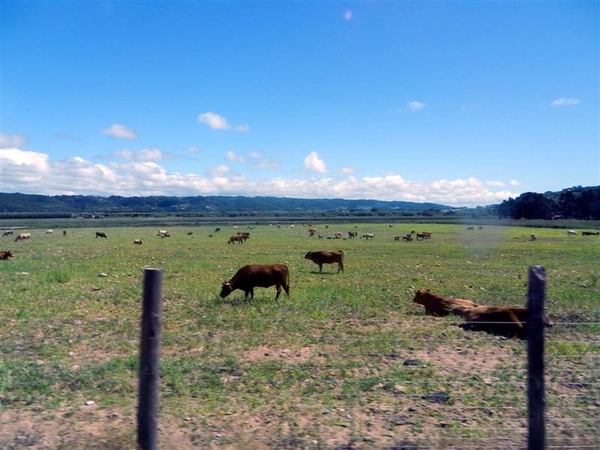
[[308, 255], [226, 289], [420, 295]]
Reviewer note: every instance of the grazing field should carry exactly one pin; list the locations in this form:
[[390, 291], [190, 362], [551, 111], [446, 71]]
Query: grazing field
[[347, 361]]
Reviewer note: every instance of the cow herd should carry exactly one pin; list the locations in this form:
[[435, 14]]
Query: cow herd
[[506, 321]]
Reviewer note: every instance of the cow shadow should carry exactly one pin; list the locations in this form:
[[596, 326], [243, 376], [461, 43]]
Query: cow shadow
[[501, 330], [316, 272]]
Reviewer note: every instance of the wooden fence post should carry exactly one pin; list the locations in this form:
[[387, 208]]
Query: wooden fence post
[[536, 296], [147, 414]]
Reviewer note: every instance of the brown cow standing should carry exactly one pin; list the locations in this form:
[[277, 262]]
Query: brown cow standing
[[325, 257], [438, 305], [101, 234], [504, 321], [236, 238], [253, 275]]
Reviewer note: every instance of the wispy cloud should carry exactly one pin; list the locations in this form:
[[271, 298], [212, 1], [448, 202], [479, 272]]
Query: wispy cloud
[[12, 140], [315, 164], [566, 101], [416, 106], [234, 157], [147, 154], [218, 122], [119, 131], [347, 15]]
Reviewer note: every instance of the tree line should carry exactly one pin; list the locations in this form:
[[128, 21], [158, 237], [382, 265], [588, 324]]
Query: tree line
[[581, 203]]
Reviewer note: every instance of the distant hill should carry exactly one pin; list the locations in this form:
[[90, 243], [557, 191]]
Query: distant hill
[[87, 204]]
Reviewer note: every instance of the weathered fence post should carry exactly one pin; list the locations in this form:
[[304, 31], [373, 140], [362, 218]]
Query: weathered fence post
[[536, 296], [147, 414]]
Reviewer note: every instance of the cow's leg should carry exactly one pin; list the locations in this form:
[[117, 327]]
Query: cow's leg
[[340, 266], [278, 288], [320, 268]]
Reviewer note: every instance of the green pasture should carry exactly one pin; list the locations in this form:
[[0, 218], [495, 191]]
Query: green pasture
[[335, 360]]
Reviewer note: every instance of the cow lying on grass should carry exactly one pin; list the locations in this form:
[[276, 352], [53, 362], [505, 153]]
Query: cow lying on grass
[[438, 305], [251, 276], [502, 321], [6, 254]]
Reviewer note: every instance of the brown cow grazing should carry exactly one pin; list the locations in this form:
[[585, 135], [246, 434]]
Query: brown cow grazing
[[438, 305], [503, 321], [590, 233], [6, 255], [311, 232], [236, 238], [251, 276], [325, 257], [7, 233], [101, 234], [407, 238]]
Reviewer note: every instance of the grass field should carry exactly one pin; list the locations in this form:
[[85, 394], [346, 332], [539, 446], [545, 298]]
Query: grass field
[[346, 362]]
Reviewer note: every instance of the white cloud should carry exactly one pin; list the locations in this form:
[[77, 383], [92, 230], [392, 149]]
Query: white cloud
[[214, 121], [33, 172], [21, 159], [193, 150], [315, 164], [119, 131], [12, 140], [565, 101], [416, 106], [218, 122], [347, 15]]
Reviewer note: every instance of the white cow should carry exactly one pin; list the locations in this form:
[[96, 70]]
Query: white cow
[[571, 232]]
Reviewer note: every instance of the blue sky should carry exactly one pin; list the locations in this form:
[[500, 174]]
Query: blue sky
[[459, 103]]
